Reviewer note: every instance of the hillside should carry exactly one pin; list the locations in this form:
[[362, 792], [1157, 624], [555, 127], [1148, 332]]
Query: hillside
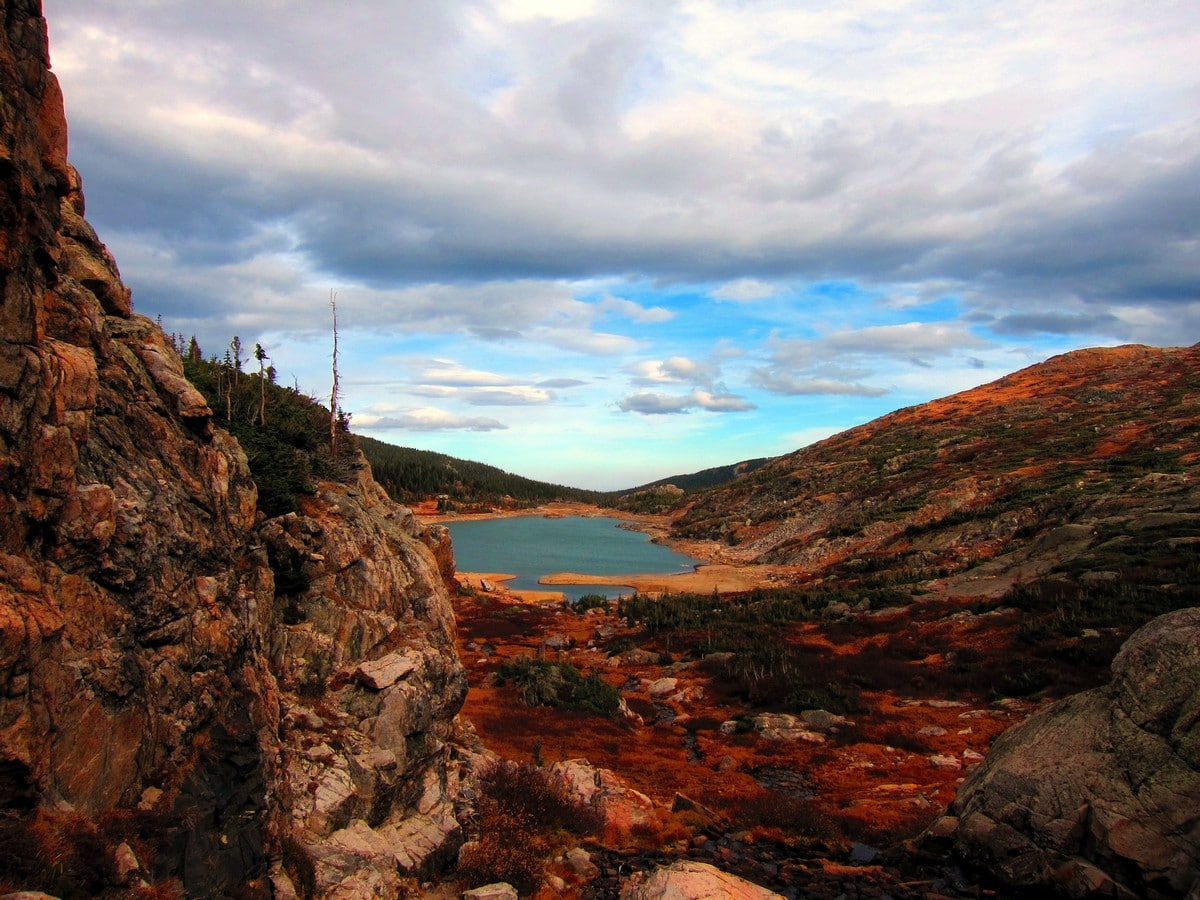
[[410, 476], [660, 495], [1102, 440], [926, 582]]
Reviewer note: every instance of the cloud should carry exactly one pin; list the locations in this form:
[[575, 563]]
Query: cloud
[[782, 383], [514, 395], [911, 341], [595, 343], [721, 402], [836, 364], [1053, 323], [650, 403], [635, 311], [452, 374], [675, 370], [744, 290], [425, 419], [716, 145]]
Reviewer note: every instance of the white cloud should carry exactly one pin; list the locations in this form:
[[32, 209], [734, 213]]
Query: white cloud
[[635, 311], [650, 403], [744, 290], [674, 370], [515, 395], [452, 374], [426, 418], [784, 383]]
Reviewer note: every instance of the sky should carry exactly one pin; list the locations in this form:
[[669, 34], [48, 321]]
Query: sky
[[601, 242]]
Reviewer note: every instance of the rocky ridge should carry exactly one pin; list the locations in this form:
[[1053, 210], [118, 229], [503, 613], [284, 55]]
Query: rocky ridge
[[1096, 436], [155, 669]]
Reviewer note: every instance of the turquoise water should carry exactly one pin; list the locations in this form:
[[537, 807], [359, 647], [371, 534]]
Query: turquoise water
[[533, 546]]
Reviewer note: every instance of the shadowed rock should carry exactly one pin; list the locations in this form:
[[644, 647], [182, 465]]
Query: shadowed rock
[[1099, 793]]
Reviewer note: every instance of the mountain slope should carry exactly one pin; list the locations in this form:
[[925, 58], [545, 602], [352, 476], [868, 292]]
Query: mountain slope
[[705, 478], [1103, 438], [410, 476]]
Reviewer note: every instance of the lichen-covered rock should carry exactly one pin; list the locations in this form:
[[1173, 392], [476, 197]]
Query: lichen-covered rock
[[1099, 793], [133, 601], [687, 880]]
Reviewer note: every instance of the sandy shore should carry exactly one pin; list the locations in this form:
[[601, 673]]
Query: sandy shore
[[720, 576], [704, 579], [488, 581]]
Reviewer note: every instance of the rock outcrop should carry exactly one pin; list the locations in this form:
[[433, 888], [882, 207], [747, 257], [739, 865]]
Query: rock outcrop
[[189, 692], [687, 880], [370, 686], [1099, 793]]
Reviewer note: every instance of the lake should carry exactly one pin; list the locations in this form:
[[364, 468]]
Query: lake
[[533, 546]]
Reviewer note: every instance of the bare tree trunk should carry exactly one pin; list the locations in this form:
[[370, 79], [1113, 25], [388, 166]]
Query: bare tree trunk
[[261, 355], [333, 394]]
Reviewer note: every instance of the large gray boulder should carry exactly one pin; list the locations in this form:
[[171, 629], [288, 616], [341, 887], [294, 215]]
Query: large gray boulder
[[1099, 794]]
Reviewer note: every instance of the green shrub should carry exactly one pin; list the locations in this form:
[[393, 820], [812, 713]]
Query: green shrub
[[541, 682], [589, 601]]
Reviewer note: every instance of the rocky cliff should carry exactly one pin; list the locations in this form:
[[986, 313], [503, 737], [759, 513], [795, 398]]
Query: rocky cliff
[[166, 713]]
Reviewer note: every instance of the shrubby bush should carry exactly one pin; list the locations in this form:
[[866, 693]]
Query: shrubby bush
[[541, 682], [589, 601], [525, 814]]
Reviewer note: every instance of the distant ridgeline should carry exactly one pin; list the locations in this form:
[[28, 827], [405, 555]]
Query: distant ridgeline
[[666, 493], [286, 436], [410, 476]]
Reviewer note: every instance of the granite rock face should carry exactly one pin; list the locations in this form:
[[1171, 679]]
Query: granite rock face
[[157, 657], [370, 684], [1099, 793]]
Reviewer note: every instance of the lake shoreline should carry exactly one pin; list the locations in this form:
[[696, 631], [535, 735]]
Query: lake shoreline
[[716, 571]]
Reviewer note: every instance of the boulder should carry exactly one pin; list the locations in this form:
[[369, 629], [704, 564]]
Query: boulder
[[1098, 794], [822, 720], [622, 807], [500, 891], [786, 727], [687, 880], [662, 687]]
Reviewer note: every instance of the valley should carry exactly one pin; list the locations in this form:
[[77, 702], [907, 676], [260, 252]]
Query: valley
[[951, 652], [849, 741]]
